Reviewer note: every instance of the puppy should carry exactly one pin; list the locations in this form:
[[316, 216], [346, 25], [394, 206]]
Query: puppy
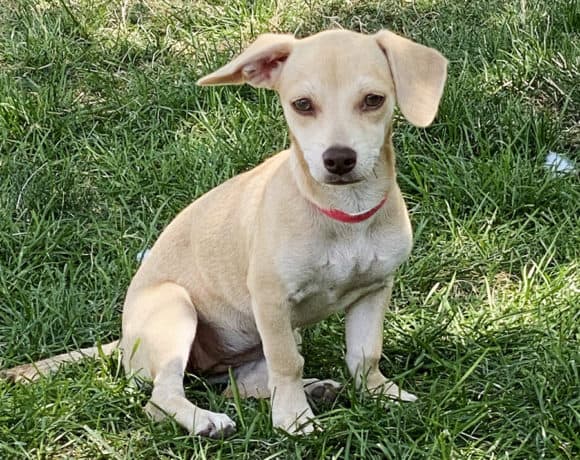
[[317, 229]]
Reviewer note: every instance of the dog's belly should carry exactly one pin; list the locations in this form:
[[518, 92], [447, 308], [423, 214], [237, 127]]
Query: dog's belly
[[219, 347]]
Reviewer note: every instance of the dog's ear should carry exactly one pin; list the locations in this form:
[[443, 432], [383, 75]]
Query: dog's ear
[[419, 74], [259, 65]]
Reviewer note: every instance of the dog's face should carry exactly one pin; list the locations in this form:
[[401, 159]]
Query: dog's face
[[338, 90], [338, 97]]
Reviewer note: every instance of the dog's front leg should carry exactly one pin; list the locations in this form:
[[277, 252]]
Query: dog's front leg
[[290, 410], [364, 344]]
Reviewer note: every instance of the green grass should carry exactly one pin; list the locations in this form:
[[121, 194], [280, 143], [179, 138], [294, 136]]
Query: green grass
[[104, 137]]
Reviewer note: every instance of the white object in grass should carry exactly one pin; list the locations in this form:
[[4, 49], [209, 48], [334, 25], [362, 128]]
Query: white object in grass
[[559, 164]]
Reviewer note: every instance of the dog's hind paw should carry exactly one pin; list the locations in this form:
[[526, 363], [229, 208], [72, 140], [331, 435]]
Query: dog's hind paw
[[322, 390], [214, 426], [197, 421]]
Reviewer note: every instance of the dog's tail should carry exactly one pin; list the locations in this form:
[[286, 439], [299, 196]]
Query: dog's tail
[[33, 371]]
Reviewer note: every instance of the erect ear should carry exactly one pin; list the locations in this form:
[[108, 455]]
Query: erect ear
[[259, 65], [419, 74]]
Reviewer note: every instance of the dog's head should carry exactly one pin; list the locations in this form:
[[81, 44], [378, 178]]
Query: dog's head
[[338, 90]]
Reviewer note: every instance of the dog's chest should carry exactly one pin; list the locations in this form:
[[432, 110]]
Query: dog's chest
[[330, 275]]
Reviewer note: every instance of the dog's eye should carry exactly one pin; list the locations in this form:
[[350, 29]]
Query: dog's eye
[[303, 106], [373, 101]]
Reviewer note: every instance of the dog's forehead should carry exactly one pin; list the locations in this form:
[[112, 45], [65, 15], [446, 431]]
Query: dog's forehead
[[336, 58]]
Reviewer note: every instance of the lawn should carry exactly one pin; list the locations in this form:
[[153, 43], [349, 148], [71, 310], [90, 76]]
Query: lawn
[[104, 137]]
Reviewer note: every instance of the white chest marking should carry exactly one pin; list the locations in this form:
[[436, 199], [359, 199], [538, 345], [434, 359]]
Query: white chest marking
[[327, 277]]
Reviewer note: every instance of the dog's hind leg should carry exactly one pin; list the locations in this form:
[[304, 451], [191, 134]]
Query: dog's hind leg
[[159, 327], [252, 382]]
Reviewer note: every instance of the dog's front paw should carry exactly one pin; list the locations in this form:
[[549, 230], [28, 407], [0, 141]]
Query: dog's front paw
[[392, 391], [296, 422]]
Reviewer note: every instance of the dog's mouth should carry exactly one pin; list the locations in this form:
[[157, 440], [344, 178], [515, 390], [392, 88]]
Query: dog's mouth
[[341, 181]]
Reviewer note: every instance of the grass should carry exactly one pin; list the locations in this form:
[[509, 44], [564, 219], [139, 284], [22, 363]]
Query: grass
[[104, 137]]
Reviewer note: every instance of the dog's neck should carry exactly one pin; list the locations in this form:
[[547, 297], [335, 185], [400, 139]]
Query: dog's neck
[[352, 199]]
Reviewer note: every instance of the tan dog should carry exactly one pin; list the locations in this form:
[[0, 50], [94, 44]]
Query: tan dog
[[317, 229]]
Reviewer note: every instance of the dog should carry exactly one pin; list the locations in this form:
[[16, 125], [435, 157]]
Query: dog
[[314, 230]]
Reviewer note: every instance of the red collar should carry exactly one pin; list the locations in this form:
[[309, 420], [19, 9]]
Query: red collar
[[341, 216]]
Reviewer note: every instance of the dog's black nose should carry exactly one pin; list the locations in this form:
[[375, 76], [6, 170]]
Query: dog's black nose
[[339, 160]]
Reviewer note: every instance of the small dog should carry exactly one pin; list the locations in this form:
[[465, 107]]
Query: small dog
[[317, 229]]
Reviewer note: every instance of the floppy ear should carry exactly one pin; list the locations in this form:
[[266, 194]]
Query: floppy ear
[[419, 75], [259, 65]]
